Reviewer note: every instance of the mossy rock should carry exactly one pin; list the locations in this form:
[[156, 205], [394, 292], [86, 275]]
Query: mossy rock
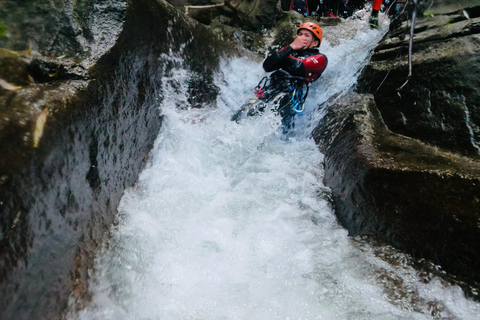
[[13, 68]]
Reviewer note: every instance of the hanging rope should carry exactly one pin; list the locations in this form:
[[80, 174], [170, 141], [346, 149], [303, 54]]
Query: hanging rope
[[410, 45]]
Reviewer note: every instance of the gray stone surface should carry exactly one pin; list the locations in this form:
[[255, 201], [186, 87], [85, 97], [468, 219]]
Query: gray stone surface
[[403, 160], [59, 199]]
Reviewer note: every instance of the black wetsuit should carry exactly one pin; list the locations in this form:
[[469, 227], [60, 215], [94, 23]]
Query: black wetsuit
[[308, 63]]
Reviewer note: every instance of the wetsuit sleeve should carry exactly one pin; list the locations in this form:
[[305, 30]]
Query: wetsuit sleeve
[[282, 59], [314, 66]]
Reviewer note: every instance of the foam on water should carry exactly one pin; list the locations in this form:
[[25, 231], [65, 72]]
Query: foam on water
[[230, 221]]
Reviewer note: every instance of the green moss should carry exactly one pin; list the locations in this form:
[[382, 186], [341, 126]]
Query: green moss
[[429, 14], [3, 30]]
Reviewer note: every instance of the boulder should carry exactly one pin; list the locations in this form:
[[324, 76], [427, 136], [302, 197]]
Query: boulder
[[440, 103], [402, 153]]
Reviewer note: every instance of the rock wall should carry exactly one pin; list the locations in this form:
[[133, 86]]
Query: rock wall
[[403, 160], [440, 103], [81, 29], [72, 144], [246, 15]]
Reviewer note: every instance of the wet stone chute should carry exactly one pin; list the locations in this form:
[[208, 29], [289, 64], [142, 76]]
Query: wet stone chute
[[231, 221]]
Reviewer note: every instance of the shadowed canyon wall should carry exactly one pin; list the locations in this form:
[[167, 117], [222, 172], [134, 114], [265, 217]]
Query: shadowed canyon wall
[[402, 157], [58, 200]]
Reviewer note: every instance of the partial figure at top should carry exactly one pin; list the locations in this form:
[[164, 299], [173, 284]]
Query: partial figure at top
[[376, 5], [335, 8], [304, 7]]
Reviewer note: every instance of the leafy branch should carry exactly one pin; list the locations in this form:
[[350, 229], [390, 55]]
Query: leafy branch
[[226, 3]]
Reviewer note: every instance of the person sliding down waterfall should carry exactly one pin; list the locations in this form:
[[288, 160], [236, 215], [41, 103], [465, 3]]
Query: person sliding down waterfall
[[296, 66]]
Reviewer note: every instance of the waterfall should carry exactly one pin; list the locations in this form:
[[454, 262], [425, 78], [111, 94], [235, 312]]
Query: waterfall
[[231, 220]]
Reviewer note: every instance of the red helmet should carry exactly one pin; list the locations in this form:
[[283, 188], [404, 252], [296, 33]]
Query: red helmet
[[313, 27]]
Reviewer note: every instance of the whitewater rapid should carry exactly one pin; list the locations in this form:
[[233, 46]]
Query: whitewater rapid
[[232, 221]]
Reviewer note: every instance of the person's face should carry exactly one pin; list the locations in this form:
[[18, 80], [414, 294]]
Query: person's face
[[308, 35]]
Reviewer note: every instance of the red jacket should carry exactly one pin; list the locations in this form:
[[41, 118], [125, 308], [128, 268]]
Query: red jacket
[[308, 63]]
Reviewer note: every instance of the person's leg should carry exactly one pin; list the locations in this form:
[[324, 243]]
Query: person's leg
[[329, 8], [374, 16], [286, 112], [376, 5]]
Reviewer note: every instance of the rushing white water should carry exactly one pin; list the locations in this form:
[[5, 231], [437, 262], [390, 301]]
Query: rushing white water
[[231, 221]]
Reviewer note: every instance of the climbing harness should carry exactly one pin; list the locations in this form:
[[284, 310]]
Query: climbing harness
[[298, 99], [258, 91], [282, 81], [281, 92]]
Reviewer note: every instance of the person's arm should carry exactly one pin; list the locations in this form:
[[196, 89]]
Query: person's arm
[[314, 66], [282, 58], [274, 61]]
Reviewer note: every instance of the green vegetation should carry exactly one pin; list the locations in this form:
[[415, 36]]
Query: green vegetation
[[429, 13], [3, 30]]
